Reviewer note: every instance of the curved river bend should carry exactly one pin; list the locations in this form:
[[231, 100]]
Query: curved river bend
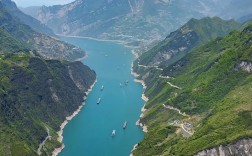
[[89, 133]]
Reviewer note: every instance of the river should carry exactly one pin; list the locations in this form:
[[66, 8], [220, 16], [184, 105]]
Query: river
[[89, 133]]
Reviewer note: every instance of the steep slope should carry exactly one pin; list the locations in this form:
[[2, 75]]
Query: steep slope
[[194, 33], [35, 97], [9, 44], [212, 86], [26, 19], [32, 10], [39, 44], [133, 21]]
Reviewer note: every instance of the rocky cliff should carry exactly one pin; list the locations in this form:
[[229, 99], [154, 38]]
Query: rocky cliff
[[241, 147], [133, 21]]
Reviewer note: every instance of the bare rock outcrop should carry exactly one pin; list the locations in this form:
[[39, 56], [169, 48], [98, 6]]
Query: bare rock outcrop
[[242, 147]]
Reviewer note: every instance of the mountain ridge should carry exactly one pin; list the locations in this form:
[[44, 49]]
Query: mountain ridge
[[26, 19], [39, 44], [138, 22], [210, 84], [36, 94]]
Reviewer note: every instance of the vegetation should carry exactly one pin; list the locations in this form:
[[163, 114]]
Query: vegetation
[[215, 81], [43, 45], [36, 94], [191, 35], [9, 44], [11, 7]]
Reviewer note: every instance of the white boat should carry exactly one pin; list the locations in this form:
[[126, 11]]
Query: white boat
[[102, 87], [124, 124], [113, 133], [98, 101]]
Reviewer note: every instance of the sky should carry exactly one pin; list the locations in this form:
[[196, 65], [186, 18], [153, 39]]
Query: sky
[[27, 3]]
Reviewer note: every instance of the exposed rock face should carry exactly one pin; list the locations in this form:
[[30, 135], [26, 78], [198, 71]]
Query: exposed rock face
[[243, 65], [135, 21], [242, 147], [128, 20]]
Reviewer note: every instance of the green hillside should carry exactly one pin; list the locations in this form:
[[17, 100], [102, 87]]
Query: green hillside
[[9, 44], [212, 85], [45, 46], [36, 95], [26, 19], [194, 33]]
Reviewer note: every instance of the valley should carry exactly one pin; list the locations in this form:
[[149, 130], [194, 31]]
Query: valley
[[126, 77]]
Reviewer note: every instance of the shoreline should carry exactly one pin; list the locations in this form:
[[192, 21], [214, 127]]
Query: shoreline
[[136, 55], [69, 118], [124, 43], [134, 148], [92, 38], [82, 58], [145, 99]]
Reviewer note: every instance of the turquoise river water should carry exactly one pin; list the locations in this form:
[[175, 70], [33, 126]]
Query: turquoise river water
[[89, 133]]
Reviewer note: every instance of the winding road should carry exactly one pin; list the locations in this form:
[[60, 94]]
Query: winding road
[[43, 142], [183, 130]]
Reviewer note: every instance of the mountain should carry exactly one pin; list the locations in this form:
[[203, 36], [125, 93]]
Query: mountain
[[201, 104], [133, 21], [180, 42], [26, 19], [8, 44], [245, 18], [39, 44], [244, 9], [32, 10], [36, 95]]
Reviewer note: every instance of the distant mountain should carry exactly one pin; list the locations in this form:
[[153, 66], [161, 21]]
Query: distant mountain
[[245, 18], [134, 21], [32, 10], [26, 19], [180, 42], [39, 44], [241, 8], [201, 104]]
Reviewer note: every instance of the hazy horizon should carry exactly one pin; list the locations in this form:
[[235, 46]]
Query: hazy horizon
[[28, 3]]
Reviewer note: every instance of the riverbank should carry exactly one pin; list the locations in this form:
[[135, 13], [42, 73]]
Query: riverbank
[[145, 99], [82, 58], [124, 43], [69, 118], [95, 39]]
